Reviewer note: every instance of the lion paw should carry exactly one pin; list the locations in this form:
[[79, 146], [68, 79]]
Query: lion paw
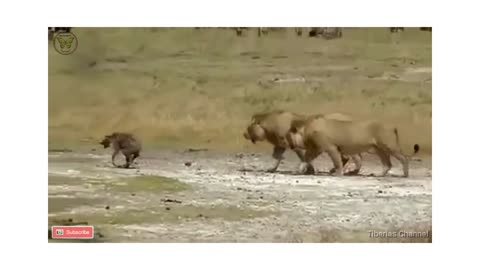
[[272, 170]]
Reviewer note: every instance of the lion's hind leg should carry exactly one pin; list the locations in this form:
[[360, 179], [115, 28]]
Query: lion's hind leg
[[384, 156], [336, 157], [403, 159]]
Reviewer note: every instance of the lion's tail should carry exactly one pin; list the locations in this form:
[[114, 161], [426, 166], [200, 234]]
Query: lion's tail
[[397, 139], [416, 147]]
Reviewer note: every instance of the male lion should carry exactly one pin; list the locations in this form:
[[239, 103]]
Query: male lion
[[125, 142], [318, 134], [274, 127]]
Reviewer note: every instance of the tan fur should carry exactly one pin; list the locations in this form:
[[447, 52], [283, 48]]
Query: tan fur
[[319, 134], [274, 126], [295, 140]]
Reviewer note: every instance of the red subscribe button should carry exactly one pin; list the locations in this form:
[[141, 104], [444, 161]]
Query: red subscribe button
[[72, 232]]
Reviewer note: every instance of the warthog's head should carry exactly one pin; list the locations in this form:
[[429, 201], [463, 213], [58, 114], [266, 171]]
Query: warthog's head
[[295, 135], [254, 132], [106, 141]]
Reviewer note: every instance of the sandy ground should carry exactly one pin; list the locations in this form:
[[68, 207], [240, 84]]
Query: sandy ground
[[230, 198]]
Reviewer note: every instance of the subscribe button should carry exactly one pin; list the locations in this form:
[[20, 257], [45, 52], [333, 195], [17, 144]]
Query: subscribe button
[[72, 232]]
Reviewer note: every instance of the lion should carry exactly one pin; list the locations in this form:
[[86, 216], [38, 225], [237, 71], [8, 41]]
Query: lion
[[127, 143], [274, 127], [319, 134]]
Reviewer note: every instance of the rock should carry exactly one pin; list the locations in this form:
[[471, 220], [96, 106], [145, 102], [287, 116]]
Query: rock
[[199, 215], [191, 150], [107, 207], [380, 191], [167, 208], [133, 194], [261, 197], [188, 164], [350, 194], [171, 201]]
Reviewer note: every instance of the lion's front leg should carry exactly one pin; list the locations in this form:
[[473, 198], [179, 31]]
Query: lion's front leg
[[301, 169], [336, 159], [115, 153], [306, 167], [278, 156]]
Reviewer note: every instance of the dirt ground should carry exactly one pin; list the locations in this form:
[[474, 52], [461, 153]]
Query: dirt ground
[[201, 196]]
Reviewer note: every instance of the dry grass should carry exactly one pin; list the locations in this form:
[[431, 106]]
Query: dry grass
[[198, 88]]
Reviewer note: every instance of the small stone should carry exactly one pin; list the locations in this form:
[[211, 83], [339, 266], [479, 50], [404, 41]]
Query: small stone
[[171, 201], [167, 208], [296, 181], [93, 149], [380, 191], [107, 207], [70, 220], [261, 197], [239, 188], [188, 164], [347, 220], [133, 194], [365, 200], [349, 194], [200, 215]]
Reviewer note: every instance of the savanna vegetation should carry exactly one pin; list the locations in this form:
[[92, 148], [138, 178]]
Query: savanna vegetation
[[186, 87]]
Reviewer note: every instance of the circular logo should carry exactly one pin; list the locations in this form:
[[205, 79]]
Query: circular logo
[[65, 43]]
